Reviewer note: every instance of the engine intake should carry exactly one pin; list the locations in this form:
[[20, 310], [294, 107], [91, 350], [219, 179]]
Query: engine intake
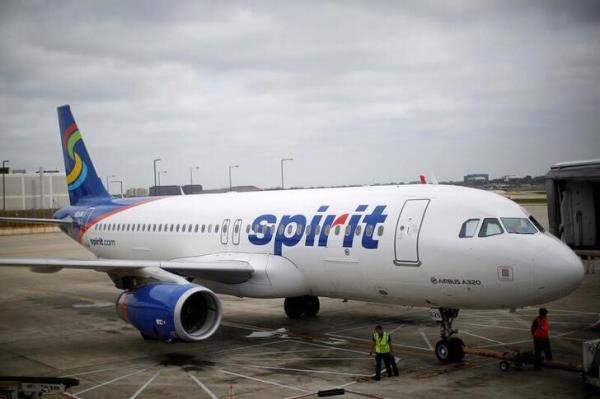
[[189, 312]]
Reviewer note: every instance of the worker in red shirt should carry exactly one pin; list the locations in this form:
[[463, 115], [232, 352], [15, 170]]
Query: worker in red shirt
[[541, 338]]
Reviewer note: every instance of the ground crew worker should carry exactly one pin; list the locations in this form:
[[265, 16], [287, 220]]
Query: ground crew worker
[[384, 351], [541, 338]]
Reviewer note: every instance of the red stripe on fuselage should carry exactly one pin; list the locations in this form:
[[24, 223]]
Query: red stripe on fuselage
[[110, 213]]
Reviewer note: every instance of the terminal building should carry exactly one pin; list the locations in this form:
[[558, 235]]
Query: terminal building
[[573, 192], [23, 190]]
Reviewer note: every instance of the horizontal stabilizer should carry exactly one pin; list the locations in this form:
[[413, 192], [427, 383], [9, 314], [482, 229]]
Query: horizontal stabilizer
[[36, 221]]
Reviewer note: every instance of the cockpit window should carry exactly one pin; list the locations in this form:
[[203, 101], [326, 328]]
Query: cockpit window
[[490, 227], [536, 224], [469, 228], [518, 226]]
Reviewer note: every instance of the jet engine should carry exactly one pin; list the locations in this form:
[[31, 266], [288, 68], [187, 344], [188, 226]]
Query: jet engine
[[168, 312]]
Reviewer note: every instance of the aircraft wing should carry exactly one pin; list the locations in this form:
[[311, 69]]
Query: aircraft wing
[[36, 220], [226, 271]]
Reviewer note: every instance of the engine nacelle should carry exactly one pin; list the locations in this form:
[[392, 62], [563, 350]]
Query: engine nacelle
[[168, 311]]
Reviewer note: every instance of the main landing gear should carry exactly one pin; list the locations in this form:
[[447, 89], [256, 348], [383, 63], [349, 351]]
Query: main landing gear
[[299, 306], [449, 349]]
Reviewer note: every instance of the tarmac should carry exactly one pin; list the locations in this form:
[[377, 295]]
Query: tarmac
[[64, 324]]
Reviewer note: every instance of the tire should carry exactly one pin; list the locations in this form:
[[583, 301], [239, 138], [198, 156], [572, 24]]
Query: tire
[[504, 366], [457, 352], [311, 305], [294, 307], [443, 352]]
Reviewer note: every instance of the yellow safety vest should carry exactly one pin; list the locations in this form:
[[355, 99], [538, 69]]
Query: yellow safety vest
[[382, 344]]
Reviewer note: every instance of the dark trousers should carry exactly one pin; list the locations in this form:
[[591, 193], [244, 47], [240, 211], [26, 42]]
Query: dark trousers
[[541, 345], [390, 364]]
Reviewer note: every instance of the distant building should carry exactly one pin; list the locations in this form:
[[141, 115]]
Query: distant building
[[34, 190], [136, 192], [165, 190], [476, 179], [192, 189]]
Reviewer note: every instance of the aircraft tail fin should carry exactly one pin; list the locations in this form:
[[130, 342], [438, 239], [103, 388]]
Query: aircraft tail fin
[[82, 181]]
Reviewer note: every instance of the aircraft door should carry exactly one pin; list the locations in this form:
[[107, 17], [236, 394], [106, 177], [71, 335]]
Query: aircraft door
[[225, 232], [237, 227], [408, 231]]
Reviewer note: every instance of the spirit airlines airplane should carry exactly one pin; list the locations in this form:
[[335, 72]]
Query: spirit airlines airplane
[[443, 247]]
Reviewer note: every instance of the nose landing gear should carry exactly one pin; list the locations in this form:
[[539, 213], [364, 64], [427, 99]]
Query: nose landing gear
[[299, 306], [449, 349]]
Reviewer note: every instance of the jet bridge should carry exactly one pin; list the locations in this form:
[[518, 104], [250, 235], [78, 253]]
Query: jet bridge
[[573, 191]]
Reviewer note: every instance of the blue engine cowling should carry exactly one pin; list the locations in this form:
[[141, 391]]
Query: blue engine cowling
[[168, 312]]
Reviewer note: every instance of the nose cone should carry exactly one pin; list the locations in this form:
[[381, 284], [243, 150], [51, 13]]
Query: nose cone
[[558, 272]]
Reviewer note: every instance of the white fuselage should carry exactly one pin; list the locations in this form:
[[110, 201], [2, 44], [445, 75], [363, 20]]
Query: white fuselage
[[412, 256]]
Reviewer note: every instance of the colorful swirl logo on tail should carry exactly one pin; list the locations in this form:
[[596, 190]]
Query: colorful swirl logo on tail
[[78, 173]]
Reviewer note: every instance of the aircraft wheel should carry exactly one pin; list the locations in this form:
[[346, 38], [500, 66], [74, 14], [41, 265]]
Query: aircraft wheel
[[311, 305], [457, 353], [294, 307], [504, 366], [443, 352]]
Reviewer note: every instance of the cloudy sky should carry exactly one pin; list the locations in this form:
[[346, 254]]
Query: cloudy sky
[[355, 92]]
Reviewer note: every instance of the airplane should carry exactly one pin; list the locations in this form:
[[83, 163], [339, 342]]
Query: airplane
[[437, 246]]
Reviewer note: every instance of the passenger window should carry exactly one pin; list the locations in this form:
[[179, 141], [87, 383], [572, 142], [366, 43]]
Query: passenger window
[[337, 230], [369, 230], [216, 228], [172, 228], [289, 229], [190, 228], [490, 227], [358, 230], [248, 229], [224, 228], [159, 228], [209, 227], [153, 227], [327, 230], [203, 227], [196, 228], [308, 228], [469, 228], [300, 230], [273, 229], [177, 229], [380, 231], [317, 229], [348, 230], [236, 229]]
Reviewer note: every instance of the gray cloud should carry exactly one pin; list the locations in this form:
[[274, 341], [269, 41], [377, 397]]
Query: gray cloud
[[356, 92]]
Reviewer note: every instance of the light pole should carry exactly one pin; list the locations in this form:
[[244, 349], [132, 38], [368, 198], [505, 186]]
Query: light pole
[[4, 172], [282, 161], [155, 161], [191, 169], [231, 167], [107, 185], [121, 183], [159, 172]]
